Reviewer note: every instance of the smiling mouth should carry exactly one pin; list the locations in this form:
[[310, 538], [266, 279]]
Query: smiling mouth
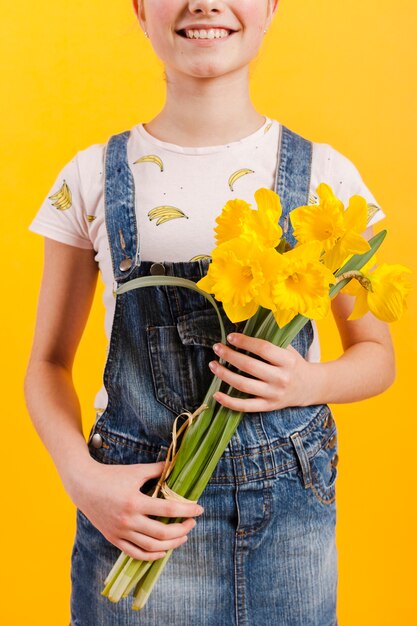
[[203, 33]]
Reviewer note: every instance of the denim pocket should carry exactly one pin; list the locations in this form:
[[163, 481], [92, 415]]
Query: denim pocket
[[324, 470], [318, 458], [179, 357]]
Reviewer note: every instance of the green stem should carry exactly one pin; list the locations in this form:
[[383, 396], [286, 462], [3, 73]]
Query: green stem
[[145, 585]]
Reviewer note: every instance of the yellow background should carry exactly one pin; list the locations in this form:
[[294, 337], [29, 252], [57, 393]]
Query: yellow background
[[74, 73]]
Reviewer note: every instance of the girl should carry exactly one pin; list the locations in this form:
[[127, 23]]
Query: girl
[[263, 548]]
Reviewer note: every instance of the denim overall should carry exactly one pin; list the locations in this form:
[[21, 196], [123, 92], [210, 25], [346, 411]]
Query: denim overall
[[263, 552]]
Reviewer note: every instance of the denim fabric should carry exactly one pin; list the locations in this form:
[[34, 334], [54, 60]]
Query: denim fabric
[[264, 550]]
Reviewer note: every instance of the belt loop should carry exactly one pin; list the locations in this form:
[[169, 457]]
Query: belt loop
[[303, 459]]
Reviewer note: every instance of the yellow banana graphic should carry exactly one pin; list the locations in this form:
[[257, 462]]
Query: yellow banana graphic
[[372, 209], [151, 158], [62, 199], [312, 198], [91, 218], [200, 257], [233, 178], [267, 128], [165, 213]]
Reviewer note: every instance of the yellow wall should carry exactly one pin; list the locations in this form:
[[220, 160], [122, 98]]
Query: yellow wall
[[339, 72]]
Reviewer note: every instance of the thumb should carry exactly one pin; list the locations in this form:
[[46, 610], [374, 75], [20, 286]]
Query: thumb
[[150, 470]]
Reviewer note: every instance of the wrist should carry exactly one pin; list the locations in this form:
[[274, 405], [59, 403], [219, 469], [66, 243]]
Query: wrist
[[77, 476], [317, 384]]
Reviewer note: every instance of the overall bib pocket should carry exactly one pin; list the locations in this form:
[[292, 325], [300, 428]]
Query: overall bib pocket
[[179, 356]]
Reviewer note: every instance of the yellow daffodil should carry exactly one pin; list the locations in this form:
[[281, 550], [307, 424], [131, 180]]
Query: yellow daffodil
[[231, 220], [261, 226], [300, 284], [385, 297], [235, 277], [338, 230]]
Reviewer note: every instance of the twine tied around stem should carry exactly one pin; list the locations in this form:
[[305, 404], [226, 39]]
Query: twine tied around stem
[[172, 454]]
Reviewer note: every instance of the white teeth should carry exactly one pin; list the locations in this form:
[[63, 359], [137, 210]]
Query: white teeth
[[213, 33]]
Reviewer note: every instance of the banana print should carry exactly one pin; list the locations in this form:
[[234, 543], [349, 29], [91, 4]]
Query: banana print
[[91, 218], [151, 158], [372, 209], [312, 198], [62, 199], [267, 128], [200, 257], [234, 177], [165, 213]]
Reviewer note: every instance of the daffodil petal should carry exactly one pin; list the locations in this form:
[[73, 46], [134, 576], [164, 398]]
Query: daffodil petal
[[354, 243], [328, 198], [268, 200], [360, 307], [239, 313], [356, 215], [231, 222], [387, 306], [391, 286], [206, 283], [309, 251], [353, 288], [284, 316]]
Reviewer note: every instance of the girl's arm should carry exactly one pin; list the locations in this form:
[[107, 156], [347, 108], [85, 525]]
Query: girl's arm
[[108, 495], [366, 367]]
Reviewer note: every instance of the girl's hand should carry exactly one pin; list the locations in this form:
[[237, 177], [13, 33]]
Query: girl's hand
[[284, 380], [111, 500]]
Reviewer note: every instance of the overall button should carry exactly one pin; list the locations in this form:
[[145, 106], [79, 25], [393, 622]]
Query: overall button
[[329, 421], [125, 265], [157, 269], [97, 441], [332, 442]]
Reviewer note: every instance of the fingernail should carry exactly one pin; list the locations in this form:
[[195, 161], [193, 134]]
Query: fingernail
[[216, 348], [231, 338], [212, 365], [200, 510]]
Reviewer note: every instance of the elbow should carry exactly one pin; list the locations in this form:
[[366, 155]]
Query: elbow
[[388, 370]]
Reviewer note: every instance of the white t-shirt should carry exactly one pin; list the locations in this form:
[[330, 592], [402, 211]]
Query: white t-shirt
[[178, 192]]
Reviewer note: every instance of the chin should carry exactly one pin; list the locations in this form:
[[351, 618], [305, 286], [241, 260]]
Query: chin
[[211, 70]]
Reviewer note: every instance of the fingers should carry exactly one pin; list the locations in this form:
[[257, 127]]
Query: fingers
[[148, 539], [169, 508], [151, 540], [165, 532], [249, 405], [149, 544], [261, 347], [243, 362], [132, 550], [242, 383]]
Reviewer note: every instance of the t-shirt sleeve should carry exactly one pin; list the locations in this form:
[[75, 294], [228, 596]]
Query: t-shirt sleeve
[[64, 214], [345, 180]]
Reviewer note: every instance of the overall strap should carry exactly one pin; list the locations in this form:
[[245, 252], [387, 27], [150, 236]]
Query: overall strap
[[293, 176], [119, 206]]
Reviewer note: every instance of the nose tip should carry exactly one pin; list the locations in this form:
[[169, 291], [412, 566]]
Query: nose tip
[[204, 6]]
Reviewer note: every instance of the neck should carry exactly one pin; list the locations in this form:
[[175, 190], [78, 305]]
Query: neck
[[206, 111]]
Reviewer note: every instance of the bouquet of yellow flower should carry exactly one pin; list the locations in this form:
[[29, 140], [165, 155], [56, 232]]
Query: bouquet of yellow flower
[[257, 277]]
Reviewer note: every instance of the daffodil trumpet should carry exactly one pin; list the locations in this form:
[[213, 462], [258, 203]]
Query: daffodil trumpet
[[276, 290]]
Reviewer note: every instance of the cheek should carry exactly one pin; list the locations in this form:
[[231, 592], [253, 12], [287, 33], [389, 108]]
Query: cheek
[[253, 13]]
